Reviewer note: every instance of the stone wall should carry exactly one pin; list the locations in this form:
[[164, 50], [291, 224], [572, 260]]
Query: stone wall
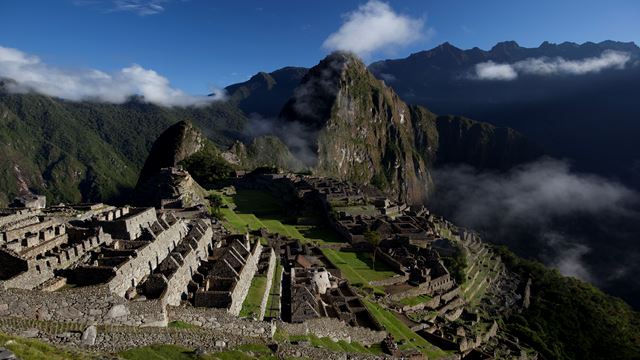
[[130, 225], [220, 319], [177, 284], [20, 219], [334, 329], [91, 305], [147, 259], [41, 270], [397, 279], [267, 290], [244, 280]]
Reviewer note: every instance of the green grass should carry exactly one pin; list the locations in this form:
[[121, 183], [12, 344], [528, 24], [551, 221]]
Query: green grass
[[275, 288], [415, 300], [401, 331], [358, 210], [250, 209], [358, 267], [178, 324], [240, 216], [246, 351], [251, 305], [158, 352], [27, 349]]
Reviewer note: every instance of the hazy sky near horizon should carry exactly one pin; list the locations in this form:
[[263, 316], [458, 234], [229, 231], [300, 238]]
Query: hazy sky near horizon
[[199, 45]]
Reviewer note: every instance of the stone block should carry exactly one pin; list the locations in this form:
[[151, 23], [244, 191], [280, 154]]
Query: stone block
[[89, 336], [118, 311]]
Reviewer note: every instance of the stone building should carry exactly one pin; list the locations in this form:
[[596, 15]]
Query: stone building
[[30, 201], [223, 280]]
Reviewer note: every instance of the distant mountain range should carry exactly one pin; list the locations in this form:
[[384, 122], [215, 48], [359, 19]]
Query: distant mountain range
[[581, 109], [591, 118]]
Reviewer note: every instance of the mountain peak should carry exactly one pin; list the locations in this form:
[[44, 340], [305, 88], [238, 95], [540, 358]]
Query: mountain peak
[[175, 144], [506, 45]]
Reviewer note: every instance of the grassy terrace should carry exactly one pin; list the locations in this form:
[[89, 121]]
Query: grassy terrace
[[415, 300], [358, 209], [250, 209], [255, 209], [400, 331], [358, 267], [274, 296], [27, 349], [251, 305]]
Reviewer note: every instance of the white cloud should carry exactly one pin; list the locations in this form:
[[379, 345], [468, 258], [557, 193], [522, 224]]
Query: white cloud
[[32, 75], [544, 66], [374, 26], [492, 71], [140, 7], [540, 203]]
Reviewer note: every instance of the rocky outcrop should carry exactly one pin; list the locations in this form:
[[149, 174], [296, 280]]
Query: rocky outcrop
[[175, 144]]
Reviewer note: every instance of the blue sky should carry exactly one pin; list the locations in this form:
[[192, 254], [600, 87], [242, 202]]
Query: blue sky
[[199, 44]]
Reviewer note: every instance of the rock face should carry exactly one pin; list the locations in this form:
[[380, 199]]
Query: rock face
[[550, 110], [359, 128], [175, 144], [361, 131], [262, 151]]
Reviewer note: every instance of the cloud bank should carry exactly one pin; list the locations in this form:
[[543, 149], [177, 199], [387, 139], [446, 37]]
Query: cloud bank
[[374, 26], [29, 74], [536, 204], [544, 66]]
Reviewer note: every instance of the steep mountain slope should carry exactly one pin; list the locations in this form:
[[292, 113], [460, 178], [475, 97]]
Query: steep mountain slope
[[360, 130], [266, 93], [586, 117], [81, 151], [484, 146], [174, 145]]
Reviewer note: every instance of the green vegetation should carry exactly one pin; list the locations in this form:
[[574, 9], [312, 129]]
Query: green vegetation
[[373, 238], [272, 303], [178, 324], [250, 209], [357, 267], [242, 352], [401, 332], [457, 264], [415, 300], [570, 319], [207, 166], [159, 352], [82, 151], [251, 305], [357, 209], [339, 346], [27, 349], [215, 204]]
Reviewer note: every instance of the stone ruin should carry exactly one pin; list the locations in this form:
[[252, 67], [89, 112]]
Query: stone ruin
[[224, 279]]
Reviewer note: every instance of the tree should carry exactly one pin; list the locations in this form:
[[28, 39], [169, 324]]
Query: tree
[[373, 238], [215, 202]]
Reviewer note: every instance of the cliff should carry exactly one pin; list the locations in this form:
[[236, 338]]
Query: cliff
[[359, 129], [174, 145]]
